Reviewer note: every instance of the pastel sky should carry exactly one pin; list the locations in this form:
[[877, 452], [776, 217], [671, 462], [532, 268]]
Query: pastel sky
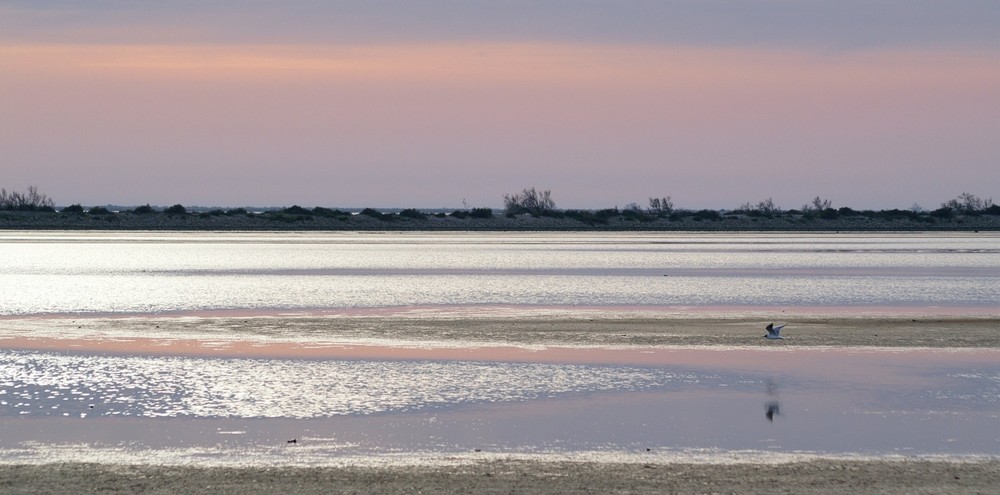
[[440, 103]]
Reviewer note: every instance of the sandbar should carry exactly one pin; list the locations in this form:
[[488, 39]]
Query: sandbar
[[436, 338]]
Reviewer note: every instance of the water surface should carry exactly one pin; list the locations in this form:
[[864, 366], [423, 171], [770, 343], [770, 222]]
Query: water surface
[[178, 272], [818, 402], [71, 404]]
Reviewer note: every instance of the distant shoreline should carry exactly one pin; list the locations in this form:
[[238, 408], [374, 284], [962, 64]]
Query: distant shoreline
[[620, 222]]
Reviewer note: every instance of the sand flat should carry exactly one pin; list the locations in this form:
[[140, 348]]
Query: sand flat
[[316, 337], [516, 476]]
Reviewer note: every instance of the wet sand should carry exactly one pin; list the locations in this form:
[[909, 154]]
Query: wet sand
[[428, 337], [814, 477], [319, 337]]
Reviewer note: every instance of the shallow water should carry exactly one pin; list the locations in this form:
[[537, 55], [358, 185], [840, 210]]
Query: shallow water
[[142, 273], [822, 402], [72, 405]]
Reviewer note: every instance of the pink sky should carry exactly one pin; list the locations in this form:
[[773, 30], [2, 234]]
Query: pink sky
[[435, 122]]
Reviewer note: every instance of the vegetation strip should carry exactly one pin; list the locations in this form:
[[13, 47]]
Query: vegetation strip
[[530, 210]]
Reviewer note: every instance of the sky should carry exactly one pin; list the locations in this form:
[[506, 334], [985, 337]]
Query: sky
[[449, 104]]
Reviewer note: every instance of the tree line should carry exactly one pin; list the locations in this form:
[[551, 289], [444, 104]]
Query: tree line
[[538, 203]]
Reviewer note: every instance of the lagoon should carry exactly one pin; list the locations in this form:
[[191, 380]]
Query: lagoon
[[218, 348]]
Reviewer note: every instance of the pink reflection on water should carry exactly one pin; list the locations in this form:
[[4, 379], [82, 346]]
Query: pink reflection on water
[[831, 400], [574, 311], [844, 361]]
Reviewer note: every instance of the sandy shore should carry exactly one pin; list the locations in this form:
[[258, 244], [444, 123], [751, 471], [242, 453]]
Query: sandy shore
[[814, 477], [216, 336], [305, 336]]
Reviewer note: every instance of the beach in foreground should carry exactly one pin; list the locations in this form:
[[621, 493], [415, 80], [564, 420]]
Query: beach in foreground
[[477, 474], [816, 477]]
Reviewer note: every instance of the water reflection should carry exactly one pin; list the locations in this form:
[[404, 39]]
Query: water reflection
[[829, 401], [773, 407], [193, 272]]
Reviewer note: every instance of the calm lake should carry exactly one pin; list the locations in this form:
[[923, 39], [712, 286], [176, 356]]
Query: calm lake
[[51, 273], [673, 403]]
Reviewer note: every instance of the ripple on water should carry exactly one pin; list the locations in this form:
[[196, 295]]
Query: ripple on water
[[47, 384]]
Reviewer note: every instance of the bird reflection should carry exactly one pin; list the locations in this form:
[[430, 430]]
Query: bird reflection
[[773, 407]]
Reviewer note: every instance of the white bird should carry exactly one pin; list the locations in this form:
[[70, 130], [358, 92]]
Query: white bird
[[774, 332]]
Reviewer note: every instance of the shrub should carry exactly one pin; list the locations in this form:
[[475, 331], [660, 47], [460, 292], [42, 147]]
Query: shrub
[[590, 217], [176, 210], [99, 210], [29, 201], [412, 214], [607, 213], [236, 211], [897, 214], [73, 209], [296, 210], [661, 206], [829, 214], [330, 213], [529, 201], [481, 213], [636, 214], [707, 215], [943, 213], [278, 216], [968, 203], [765, 208], [143, 210], [378, 215], [818, 204]]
